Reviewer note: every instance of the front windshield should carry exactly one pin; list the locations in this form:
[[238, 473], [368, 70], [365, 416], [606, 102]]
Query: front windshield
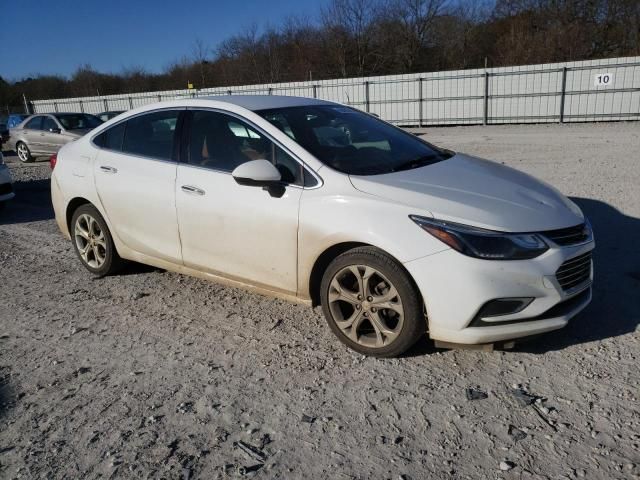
[[351, 141], [78, 121]]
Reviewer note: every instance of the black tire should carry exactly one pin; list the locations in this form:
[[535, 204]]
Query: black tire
[[387, 269], [111, 262], [28, 158]]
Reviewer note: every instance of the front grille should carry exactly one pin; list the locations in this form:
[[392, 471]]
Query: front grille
[[5, 188], [574, 271], [569, 236]]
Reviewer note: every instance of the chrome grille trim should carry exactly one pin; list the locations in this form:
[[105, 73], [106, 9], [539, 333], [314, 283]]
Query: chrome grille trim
[[574, 272], [569, 236]]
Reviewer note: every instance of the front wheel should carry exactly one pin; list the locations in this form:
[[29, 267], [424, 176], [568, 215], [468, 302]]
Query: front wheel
[[93, 243], [24, 154], [371, 303]]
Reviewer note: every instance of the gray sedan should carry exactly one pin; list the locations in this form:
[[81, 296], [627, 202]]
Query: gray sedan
[[45, 134]]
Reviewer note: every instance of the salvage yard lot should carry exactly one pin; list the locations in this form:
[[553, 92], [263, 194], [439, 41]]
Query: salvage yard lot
[[151, 374]]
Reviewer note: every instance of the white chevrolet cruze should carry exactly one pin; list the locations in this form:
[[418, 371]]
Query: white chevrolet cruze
[[319, 203]]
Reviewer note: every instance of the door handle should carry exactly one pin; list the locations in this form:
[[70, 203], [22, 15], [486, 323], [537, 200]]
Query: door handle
[[192, 190], [108, 169]]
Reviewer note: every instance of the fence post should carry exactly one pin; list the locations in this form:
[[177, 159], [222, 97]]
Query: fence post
[[562, 96], [26, 104], [159, 98], [55, 106], [366, 96], [485, 115], [270, 91], [315, 91], [229, 92], [106, 105], [81, 107], [420, 99], [130, 102]]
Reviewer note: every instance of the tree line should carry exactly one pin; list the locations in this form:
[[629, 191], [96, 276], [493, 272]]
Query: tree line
[[373, 37]]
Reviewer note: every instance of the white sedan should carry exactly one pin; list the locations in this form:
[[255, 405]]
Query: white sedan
[[319, 203]]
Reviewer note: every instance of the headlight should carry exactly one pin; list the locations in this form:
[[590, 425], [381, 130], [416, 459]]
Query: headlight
[[480, 243]]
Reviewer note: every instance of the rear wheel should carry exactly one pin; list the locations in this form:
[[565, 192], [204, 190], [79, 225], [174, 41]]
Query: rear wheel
[[24, 154], [93, 243], [371, 303]]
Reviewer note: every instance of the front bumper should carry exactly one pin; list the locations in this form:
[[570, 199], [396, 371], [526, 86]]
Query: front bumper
[[6, 188], [455, 287]]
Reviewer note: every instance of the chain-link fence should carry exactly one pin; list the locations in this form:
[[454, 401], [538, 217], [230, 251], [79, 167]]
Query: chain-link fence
[[595, 90]]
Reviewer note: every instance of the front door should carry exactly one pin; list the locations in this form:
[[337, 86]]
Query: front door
[[243, 232], [135, 174], [52, 136]]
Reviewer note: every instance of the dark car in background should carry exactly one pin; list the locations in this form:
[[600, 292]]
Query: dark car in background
[[45, 134], [4, 132]]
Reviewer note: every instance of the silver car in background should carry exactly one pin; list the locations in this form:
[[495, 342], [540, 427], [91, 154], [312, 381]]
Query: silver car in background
[[45, 134]]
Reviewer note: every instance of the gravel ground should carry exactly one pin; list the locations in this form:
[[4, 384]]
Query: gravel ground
[[151, 374]]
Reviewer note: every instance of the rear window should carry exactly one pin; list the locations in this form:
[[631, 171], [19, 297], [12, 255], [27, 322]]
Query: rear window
[[34, 124], [151, 135], [112, 138]]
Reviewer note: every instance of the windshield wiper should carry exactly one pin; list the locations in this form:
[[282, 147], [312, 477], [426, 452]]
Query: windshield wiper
[[415, 163]]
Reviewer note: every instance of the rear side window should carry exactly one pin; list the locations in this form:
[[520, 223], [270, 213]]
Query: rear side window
[[112, 138], [34, 124], [151, 135]]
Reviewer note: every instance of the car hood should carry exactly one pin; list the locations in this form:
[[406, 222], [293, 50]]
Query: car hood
[[477, 192]]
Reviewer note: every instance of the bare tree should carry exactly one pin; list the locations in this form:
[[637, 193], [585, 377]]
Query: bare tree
[[200, 56], [367, 37], [416, 19], [348, 26]]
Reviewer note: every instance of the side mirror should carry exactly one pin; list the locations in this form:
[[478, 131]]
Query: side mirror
[[55, 130], [257, 173]]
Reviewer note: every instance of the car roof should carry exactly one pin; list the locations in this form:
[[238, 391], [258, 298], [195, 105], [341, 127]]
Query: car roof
[[265, 102]]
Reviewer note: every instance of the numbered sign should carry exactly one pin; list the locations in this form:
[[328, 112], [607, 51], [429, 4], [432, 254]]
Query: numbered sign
[[603, 79]]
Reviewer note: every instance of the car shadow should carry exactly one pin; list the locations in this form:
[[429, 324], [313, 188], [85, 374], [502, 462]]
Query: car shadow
[[615, 307], [7, 397], [134, 268], [31, 203]]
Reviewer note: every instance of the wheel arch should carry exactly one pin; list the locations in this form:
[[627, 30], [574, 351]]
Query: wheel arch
[[327, 256], [72, 206]]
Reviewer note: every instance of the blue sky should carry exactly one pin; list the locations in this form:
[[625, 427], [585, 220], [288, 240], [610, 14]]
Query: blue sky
[[112, 35]]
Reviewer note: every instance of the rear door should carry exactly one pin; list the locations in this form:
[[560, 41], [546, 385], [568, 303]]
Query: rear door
[[31, 132], [135, 173]]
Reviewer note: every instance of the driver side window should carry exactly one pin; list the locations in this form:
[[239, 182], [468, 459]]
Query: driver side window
[[222, 142], [49, 124]]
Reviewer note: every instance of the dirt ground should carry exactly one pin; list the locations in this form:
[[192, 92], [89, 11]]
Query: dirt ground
[[151, 374]]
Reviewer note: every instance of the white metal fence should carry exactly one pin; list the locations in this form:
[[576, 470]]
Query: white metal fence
[[595, 90]]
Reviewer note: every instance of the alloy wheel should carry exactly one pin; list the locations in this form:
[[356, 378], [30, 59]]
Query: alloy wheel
[[90, 241], [366, 306], [23, 152]]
